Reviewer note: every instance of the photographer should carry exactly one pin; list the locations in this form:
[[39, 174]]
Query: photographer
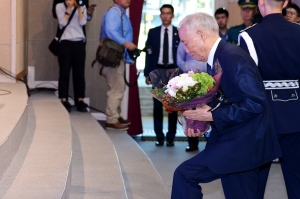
[[117, 27], [71, 53]]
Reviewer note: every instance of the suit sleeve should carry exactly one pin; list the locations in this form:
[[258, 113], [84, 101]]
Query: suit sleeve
[[243, 45], [245, 90], [147, 69]]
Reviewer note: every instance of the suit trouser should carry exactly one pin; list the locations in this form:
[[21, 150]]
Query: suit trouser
[[190, 173], [116, 88], [71, 55], [290, 165], [158, 122], [193, 141]]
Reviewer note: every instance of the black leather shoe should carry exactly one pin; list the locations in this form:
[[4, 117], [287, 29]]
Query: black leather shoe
[[191, 148], [170, 143], [67, 105], [159, 143], [81, 106]]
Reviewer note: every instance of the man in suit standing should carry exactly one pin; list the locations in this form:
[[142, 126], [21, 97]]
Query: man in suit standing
[[243, 136], [274, 45], [164, 41]]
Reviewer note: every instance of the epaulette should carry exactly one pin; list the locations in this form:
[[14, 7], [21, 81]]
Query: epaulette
[[248, 27]]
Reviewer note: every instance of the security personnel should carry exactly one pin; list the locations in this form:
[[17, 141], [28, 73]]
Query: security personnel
[[275, 47], [247, 11]]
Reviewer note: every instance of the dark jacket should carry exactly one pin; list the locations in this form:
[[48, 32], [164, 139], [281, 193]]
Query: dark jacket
[[277, 46], [153, 40], [243, 136]]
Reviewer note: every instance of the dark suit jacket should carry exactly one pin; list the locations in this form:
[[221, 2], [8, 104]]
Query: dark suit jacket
[[153, 40], [277, 45], [243, 136]]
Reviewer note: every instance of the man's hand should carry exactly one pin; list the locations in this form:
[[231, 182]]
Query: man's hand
[[202, 113], [129, 45], [91, 9], [191, 133], [148, 81]]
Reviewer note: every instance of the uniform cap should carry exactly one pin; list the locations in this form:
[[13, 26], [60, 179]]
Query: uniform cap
[[247, 3]]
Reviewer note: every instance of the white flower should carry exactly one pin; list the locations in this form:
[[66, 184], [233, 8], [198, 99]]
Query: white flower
[[185, 88], [172, 93], [182, 81]]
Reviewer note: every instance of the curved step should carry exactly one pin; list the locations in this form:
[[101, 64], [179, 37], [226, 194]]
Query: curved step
[[140, 176], [41, 167], [13, 119], [95, 168]]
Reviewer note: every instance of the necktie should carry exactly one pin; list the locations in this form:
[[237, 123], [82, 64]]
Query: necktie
[[166, 48], [210, 70]]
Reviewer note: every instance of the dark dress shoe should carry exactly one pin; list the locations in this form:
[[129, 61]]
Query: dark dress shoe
[[159, 143], [67, 105], [191, 148], [170, 143], [81, 106]]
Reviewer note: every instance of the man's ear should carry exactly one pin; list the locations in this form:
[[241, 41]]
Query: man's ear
[[202, 34], [285, 3]]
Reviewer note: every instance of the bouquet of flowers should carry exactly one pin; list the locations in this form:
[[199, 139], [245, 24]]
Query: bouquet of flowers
[[186, 91]]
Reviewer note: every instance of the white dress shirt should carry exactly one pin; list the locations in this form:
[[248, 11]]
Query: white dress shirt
[[170, 37]]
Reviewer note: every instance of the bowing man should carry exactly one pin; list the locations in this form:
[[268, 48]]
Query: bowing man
[[243, 136]]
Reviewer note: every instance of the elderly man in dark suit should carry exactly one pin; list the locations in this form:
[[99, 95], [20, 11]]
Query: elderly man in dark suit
[[243, 136], [274, 45], [164, 41]]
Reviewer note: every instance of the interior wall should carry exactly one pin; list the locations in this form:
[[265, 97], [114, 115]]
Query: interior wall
[[21, 37], [5, 36], [13, 37]]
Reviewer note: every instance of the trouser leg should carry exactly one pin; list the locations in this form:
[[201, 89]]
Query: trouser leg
[[115, 93], [158, 119], [290, 164], [243, 185], [78, 65], [188, 175], [193, 141], [64, 60], [172, 124]]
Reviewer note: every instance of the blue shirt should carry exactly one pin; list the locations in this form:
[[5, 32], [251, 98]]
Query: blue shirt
[[225, 37], [111, 27], [188, 63]]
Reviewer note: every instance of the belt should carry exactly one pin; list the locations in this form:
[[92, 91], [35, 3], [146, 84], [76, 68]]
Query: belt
[[166, 66], [281, 84]]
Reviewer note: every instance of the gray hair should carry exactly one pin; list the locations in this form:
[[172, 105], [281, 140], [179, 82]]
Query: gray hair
[[200, 20]]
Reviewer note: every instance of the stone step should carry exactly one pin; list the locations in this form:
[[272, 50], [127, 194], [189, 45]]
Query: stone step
[[96, 171], [41, 167], [141, 178]]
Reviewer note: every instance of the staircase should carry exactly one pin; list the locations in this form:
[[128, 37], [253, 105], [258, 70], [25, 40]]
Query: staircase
[[48, 153]]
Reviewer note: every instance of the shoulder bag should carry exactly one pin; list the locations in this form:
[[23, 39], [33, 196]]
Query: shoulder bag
[[53, 46], [110, 53]]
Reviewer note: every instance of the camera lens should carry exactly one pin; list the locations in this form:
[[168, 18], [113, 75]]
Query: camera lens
[[80, 2]]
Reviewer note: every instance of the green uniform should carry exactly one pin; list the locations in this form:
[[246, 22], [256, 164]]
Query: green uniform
[[234, 32]]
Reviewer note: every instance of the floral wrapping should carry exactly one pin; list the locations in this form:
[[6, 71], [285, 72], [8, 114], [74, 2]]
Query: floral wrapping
[[165, 84]]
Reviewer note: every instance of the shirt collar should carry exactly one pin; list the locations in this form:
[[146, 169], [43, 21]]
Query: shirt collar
[[122, 9], [212, 52], [170, 27]]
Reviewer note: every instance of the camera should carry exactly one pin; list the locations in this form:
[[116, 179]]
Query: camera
[[134, 54], [80, 2]]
